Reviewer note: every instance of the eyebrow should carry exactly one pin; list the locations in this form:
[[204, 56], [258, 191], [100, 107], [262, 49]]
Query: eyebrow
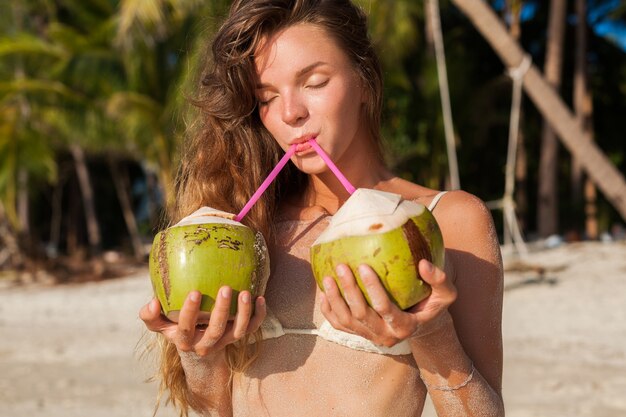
[[299, 74]]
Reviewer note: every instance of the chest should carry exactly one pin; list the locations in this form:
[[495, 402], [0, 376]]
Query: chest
[[292, 293]]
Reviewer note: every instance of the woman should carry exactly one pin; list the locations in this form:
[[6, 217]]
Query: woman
[[283, 72]]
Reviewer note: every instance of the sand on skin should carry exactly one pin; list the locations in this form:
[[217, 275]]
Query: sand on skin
[[69, 351]]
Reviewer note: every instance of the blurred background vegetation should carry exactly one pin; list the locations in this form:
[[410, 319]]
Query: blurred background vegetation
[[93, 106]]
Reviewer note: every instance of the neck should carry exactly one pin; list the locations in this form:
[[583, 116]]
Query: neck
[[363, 170]]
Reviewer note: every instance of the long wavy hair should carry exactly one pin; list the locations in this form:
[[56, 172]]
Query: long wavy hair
[[227, 152]]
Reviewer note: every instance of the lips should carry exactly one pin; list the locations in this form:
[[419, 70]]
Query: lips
[[301, 147], [302, 144]]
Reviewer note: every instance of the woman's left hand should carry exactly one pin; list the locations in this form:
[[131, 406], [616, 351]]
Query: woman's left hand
[[384, 323]]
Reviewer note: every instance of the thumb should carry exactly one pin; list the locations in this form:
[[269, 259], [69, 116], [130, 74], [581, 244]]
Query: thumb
[[430, 273], [437, 279], [151, 316]]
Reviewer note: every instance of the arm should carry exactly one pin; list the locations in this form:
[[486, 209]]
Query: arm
[[206, 385], [456, 343], [471, 327]]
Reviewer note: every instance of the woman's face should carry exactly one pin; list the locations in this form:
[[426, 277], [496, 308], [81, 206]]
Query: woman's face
[[307, 88]]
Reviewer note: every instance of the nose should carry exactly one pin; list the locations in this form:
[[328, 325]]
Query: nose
[[294, 109]]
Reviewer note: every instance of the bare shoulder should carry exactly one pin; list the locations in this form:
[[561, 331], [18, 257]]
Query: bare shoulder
[[464, 219], [460, 212], [468, 231]]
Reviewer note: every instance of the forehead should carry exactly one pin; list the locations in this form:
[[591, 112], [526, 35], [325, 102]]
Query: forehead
[[297, 47]]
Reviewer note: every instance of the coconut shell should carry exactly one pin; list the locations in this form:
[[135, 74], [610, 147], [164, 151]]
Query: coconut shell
[[391, 239], [204, 252]]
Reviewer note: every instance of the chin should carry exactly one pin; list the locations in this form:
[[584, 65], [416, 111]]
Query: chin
[[311, 165]]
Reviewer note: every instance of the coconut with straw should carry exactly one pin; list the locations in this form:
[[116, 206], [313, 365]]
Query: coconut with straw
[[207, 250], [384, 231]]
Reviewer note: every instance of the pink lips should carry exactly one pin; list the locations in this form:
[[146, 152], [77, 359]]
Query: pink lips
[[301, 147], [304, 147]]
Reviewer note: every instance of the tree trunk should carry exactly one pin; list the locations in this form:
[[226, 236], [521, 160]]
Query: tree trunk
[[56, 218], [599, 168], [120, 180], [93, 229], [548, 199], [10, 249], [583, 106], [25, 238]]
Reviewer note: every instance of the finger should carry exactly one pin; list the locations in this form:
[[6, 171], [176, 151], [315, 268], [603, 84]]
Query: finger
[[218, 320], [260, 311], [329, 314], [352, 293], [151, 315], [378, 296], [242, 318], [337, 304], [438, 281], [187, 320]]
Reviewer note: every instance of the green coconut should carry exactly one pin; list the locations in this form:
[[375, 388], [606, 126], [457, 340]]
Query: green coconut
[[203, 252], [389, 234]]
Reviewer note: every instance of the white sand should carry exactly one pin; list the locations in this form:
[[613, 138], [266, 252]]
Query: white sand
[[68, 351]]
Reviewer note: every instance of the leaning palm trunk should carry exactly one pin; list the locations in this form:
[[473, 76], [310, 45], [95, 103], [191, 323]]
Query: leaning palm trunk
[[599, 168]]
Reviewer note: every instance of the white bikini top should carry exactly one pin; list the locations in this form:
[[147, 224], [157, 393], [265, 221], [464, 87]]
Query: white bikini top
[[272, 328]]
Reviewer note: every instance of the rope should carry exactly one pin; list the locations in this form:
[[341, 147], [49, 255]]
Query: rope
[[433, 5], [512, 232]]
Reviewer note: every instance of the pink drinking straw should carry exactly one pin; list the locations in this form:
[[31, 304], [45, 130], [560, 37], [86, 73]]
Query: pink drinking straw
[[281, 164], [271, 177], [342, 179]]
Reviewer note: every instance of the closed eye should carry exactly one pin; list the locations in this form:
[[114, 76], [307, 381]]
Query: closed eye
[[318, 85], [266, 101]]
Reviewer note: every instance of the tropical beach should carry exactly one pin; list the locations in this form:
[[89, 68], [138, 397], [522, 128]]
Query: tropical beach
[[71, 350]]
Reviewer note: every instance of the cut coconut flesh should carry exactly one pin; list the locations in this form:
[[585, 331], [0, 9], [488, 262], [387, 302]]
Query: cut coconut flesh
[[369, 212]]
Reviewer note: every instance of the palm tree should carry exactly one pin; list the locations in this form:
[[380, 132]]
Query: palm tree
[[596, 164], [150, 37], [583, 105], [24, 153], [547, 201]]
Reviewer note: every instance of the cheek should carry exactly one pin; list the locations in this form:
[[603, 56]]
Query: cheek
[[266, 116]]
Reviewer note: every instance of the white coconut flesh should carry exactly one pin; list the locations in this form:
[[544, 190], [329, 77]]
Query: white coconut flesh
[[208, 215], [369, 212]]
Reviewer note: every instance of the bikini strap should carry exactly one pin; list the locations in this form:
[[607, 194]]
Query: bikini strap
[[435, 200]]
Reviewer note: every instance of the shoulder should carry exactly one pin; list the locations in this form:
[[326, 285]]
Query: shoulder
[[464, 219], [468, 232]]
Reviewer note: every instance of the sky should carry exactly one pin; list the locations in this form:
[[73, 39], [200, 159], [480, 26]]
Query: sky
[[598, 17]]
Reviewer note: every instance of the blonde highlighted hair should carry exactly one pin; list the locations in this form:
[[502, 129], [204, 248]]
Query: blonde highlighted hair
[[228, 152]]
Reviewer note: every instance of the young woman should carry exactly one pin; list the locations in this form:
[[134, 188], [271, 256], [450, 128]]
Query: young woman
[[283, 72]]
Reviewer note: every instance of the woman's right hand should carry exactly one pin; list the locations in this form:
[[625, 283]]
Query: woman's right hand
[[189, 337]]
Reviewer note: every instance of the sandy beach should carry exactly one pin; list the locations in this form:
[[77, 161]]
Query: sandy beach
[[69, 350]]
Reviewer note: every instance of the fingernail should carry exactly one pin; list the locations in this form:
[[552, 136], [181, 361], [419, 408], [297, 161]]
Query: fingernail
[[260, 301], [341, 271], [363, 270], [429, 266], [194, 296], [327, 283], [225, 292], [152, 305], [245, 297]]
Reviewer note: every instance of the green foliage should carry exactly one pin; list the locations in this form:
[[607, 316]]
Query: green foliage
[[116, 76]]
